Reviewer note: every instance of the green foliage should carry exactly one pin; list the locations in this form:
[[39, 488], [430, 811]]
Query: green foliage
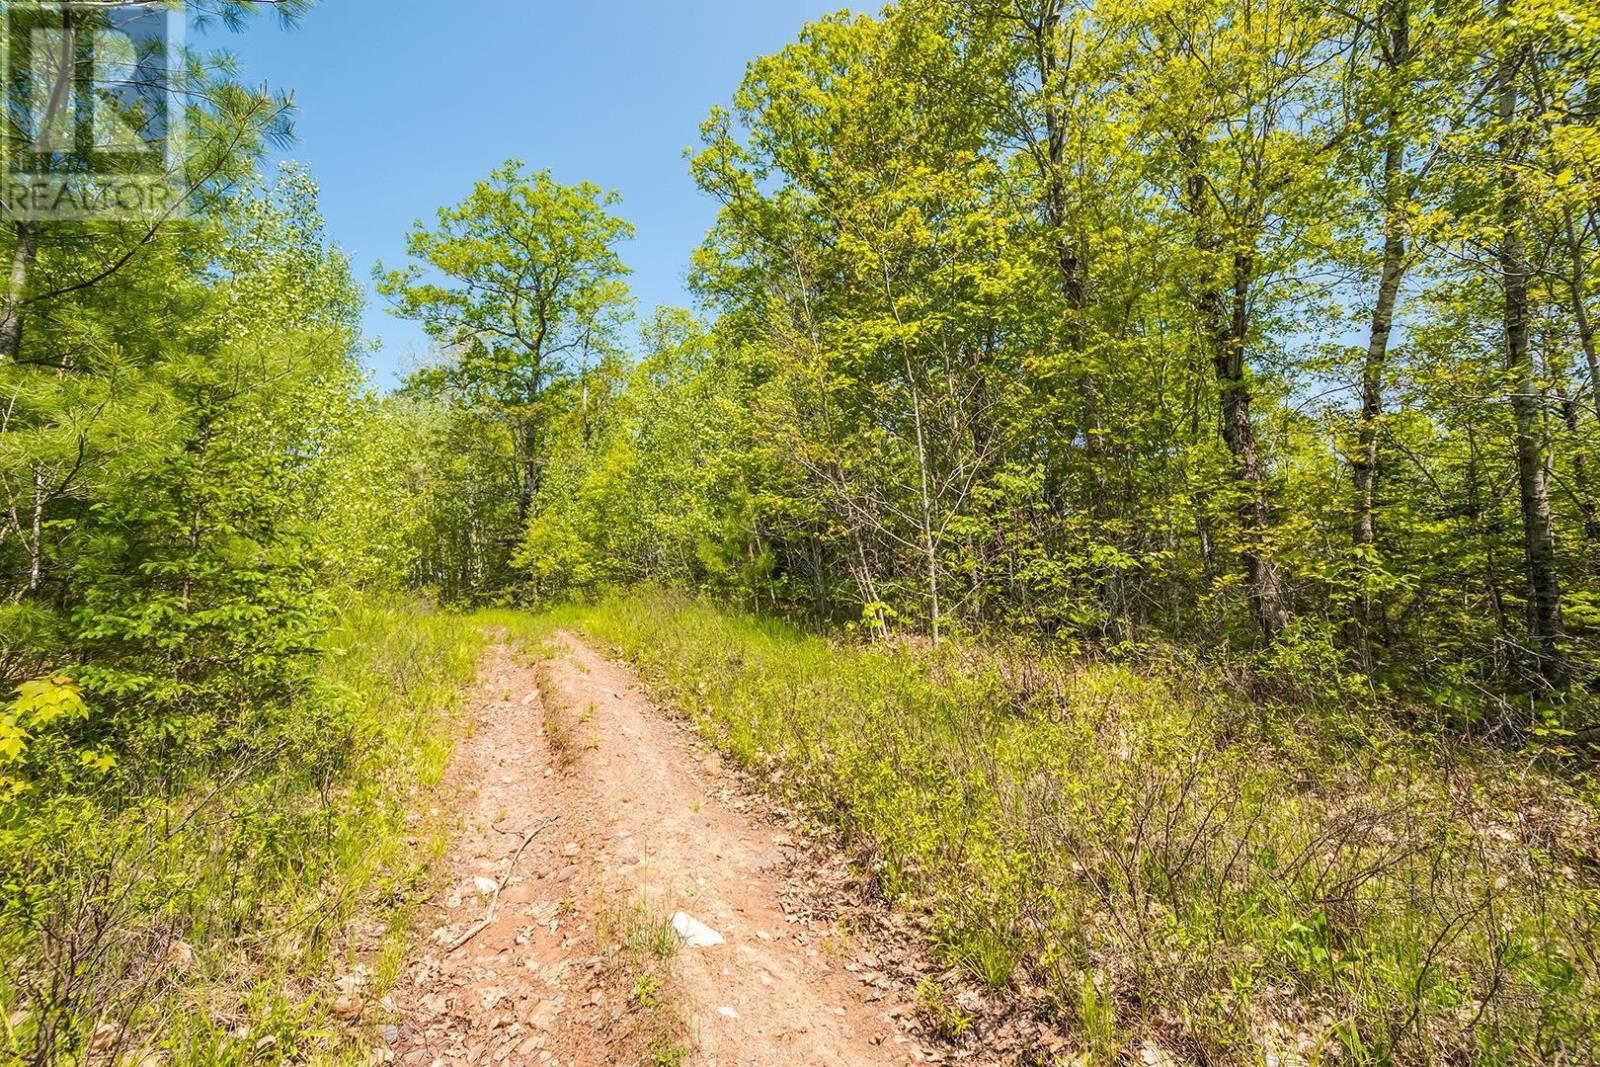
[[521, 289], [641, 485], [1167, 857], [1117, 323], [31, 728], [1239, 353], [200, 919], [206, 764], [945, 1018], [176, 555]]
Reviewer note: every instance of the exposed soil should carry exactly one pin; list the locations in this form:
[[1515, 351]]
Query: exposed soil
[[628, 816]]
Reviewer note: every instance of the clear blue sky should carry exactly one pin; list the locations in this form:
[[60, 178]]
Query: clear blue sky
[[403, 104]]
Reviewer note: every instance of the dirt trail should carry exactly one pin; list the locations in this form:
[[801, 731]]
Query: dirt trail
[[628, 816]]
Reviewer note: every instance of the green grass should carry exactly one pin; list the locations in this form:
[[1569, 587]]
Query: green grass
[[207, 921], [637, 945], [1168, 860]]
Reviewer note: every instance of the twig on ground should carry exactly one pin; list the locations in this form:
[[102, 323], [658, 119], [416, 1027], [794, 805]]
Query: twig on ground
[[494, 901]]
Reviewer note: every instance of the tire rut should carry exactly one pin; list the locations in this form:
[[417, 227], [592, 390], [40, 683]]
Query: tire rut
[[587, 820]]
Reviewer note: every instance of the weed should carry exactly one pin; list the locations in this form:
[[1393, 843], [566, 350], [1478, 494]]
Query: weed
[[558, 730], [639, 945], [988, 956], [232, 884], [1227, 870], [939, 1009], [836, 943], [1097, 1019], [646, 991], [665, 1052]]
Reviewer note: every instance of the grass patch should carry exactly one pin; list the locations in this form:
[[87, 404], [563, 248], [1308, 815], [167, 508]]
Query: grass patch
[[206, 919], [560, 729], [638, 944], [1170, 861]]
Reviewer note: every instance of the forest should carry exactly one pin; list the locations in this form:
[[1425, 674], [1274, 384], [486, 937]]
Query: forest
[[1134, 467]]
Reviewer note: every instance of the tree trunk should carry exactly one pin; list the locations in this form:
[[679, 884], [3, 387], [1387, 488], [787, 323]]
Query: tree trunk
[[1075, 289], [819, 576], [1580, 310], [1364, 464], [11, 313], [1227, 327], [1480, 530], [930, 549], [1582, 489], [1580, 314], [27, 236], [1544, 587], [528, 439], [527, 490], [36, 545]]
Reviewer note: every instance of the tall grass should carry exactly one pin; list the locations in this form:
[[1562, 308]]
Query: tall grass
[[1169, 861], [203, 920]]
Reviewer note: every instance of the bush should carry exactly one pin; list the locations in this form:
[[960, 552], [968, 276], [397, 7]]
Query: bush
[[1167, 859], [202, 918]]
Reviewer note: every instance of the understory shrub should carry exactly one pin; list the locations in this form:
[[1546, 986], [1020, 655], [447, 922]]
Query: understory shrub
[[192, 911], [1167, 860]]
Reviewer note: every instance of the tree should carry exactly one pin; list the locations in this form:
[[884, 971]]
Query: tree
[[521, 287], [1393, 51], [1544, 584], [229, 125]]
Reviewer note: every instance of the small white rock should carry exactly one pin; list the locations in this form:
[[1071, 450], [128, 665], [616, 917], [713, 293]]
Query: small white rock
[[694, 933]]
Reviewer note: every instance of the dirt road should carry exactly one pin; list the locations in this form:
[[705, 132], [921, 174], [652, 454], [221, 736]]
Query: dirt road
[[589, 819]]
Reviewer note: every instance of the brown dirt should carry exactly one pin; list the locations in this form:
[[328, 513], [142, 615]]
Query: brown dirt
[[627, 812]]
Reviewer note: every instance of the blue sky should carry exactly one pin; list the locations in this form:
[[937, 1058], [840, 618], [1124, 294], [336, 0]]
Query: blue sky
[[402, 105]]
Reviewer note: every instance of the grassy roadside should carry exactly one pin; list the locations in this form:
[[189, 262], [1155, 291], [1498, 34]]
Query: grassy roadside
[[208, 920], [1161, 863]]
